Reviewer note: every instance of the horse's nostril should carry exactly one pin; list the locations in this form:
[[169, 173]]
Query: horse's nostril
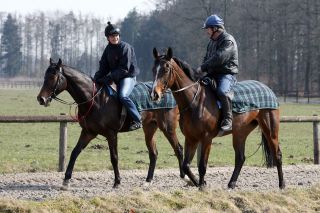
[[41, 100], [154, 96]]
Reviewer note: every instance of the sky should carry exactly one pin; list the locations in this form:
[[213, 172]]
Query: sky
[[108, 9]]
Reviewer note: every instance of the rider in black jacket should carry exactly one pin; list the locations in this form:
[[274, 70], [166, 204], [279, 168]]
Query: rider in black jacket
[[221, 63], [119, 63]]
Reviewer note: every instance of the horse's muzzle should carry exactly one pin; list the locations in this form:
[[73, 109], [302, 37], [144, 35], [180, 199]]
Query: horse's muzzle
[[44, 101], [155, 96]]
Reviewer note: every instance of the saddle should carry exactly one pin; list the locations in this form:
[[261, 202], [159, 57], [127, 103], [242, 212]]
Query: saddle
[[207, 81], [112, 90]]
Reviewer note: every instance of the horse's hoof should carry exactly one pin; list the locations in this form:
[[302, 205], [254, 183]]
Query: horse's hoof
[[190, 182], [116, 185], [232, 185], [202, 188], [147, 184], [182, 175], [282, 185], [65, 185], [149, 179]]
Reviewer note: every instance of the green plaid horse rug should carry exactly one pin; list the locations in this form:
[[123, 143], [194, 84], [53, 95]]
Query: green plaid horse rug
[[252, 95], [140, 96]]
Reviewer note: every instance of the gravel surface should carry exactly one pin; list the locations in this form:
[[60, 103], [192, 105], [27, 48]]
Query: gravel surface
[[47, 185]]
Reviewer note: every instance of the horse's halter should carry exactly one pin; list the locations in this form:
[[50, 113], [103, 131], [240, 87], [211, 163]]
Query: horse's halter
[[173, 71]]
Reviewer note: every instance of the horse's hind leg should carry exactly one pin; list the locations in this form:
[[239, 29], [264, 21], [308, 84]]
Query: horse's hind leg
[[149, 130], [83, 141], [270, 128], [239, 136]]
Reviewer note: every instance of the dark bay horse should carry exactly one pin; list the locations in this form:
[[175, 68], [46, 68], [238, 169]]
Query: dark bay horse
[[200, 117], [99, 113]]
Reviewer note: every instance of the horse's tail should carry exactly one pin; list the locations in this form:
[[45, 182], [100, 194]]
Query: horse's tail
[[269, 160]]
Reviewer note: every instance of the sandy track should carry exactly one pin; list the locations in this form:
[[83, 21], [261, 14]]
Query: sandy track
[[41, 186]]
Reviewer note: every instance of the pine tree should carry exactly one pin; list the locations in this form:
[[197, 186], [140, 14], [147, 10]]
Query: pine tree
[[11, 44]]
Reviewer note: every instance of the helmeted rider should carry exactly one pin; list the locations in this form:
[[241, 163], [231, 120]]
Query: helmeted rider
[[221, 63], [119, 63]]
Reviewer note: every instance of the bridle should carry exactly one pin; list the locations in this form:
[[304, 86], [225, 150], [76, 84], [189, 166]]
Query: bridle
[[54, 96], [172, 70]]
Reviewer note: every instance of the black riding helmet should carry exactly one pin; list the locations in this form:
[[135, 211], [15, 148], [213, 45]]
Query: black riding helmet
[[111, 30]]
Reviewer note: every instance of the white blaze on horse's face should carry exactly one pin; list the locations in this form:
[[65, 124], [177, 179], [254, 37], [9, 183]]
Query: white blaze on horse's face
[[154, 86]]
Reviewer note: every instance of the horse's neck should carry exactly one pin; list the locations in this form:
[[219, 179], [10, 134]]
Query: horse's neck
[[196, 97], [184, 97], [79, 87]]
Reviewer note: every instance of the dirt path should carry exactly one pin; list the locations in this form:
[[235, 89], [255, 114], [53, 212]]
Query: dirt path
[[41, 186]]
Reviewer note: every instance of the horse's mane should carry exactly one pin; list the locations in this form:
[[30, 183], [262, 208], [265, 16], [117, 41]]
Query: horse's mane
[[85, 75], [188, 70]]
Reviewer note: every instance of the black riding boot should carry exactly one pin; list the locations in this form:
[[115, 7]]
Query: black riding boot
[[226, 123]]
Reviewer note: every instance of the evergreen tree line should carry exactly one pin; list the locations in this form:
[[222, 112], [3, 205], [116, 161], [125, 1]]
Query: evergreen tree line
[[278, 40]]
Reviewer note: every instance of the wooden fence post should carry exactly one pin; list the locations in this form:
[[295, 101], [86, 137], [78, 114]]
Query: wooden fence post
[[316, 133], [63, 145]]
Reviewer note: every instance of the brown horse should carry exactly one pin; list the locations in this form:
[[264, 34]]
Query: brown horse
[[200, 117], [99, 113]]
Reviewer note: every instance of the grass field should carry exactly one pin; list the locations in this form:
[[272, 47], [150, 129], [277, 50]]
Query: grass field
[[34, 147]]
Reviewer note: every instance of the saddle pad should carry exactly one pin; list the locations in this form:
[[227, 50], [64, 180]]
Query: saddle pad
[[142, 99], [251, 95]]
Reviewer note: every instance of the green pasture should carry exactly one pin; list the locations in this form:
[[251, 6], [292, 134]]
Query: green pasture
[[34, 147]]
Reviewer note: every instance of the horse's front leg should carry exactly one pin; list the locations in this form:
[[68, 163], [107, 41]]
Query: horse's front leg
[[171, 135], [189, 151], [202, 167], [112, 138], [168, 128], [83, 141]]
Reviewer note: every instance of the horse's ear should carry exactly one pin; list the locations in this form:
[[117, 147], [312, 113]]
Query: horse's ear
[[59, 62], [155, 53], [169, 53], [50, 61]]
